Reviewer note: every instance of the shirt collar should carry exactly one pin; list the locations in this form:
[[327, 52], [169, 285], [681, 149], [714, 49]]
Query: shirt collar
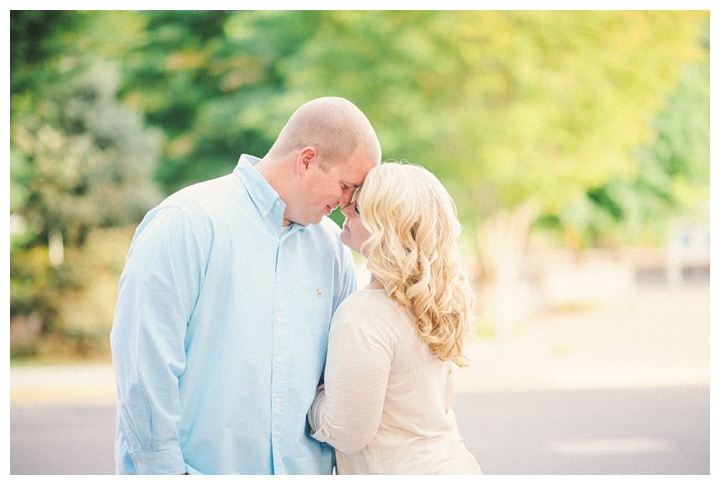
[[265, 198]]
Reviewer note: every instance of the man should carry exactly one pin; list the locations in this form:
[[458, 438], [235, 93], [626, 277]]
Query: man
[[224, 306]]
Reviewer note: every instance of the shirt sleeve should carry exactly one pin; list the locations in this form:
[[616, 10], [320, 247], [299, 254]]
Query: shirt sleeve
[[156, 297], [347, 409]]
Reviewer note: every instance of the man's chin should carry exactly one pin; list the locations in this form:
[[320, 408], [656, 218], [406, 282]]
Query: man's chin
[[315, 220]]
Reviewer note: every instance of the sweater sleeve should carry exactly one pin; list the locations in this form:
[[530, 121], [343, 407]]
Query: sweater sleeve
[[347, 409]]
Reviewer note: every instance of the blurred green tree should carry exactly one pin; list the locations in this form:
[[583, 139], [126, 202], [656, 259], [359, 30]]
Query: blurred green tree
[[85, 161], [79, 158], [561, 103], [520, 113], [673, 176], [505, 107], [211, 81]]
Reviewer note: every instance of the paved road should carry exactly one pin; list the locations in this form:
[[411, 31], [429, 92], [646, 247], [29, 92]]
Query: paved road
[[71, 439], [652, 431], [616, 390]]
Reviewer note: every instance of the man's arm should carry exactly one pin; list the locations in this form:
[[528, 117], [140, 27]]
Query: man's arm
[[156, 297]]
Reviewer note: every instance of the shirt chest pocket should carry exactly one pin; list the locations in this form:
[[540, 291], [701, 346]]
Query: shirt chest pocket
[[313, 308], [305, 326]]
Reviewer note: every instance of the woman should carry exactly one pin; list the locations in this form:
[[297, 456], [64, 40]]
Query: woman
[[385, 402]]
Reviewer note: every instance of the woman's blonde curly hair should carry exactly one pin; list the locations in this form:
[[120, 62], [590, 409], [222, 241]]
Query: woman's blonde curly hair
[[413, 251]]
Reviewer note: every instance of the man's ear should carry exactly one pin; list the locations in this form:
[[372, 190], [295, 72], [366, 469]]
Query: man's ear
[[305, 158]]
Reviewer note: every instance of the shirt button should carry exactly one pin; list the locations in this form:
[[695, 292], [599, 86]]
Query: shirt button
[[279, 280], [279, 320], [279, 359], [139, 463], [277, 400], [277, 203], [325, 432]]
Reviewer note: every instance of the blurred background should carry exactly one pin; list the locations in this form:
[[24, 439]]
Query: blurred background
[[576, 145]]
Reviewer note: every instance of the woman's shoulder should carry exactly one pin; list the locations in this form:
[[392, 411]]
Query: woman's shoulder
[[369, 307], [367, 299], [367, 317]]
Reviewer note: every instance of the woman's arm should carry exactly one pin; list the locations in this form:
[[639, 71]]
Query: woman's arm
[[348, 407]]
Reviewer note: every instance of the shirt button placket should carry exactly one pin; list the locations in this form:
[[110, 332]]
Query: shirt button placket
[[281, 403], [279, 337]]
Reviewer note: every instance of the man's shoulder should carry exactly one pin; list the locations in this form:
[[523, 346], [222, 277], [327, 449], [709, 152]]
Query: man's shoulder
[[206, 198], [207, 190]]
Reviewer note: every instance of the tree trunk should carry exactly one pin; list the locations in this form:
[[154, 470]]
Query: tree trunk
[[502, 240]]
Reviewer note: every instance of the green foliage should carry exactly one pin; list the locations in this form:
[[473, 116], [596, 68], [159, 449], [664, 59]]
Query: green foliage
[[206, 78], [504, 106], [36, 39], [560, 100], [79, 159], [36, 286], [83, 160], [673, 174], [400, 67], [599, 118]]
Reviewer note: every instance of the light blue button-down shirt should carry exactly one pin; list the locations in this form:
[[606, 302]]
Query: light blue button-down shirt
[[220, 332]]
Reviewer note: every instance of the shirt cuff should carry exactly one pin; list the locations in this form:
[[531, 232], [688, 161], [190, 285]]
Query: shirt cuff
[[165, 462], [322, 435]]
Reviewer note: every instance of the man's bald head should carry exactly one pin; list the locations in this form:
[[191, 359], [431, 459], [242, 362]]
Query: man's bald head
[[334, 126]]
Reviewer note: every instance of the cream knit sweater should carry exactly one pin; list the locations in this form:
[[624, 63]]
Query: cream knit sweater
[[385, 403]]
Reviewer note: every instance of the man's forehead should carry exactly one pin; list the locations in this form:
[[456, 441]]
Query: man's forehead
[[352, 176]]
